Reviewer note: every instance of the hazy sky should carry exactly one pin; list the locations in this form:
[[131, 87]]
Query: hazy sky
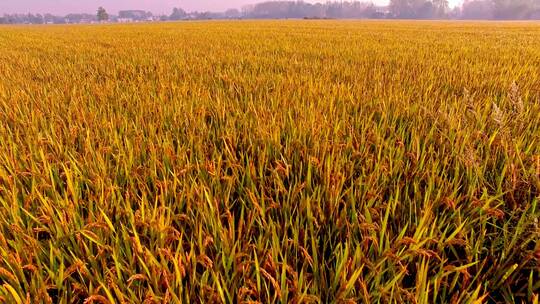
[[156, 6]]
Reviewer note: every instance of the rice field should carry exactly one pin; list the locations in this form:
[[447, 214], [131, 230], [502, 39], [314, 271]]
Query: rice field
[[270, 162]]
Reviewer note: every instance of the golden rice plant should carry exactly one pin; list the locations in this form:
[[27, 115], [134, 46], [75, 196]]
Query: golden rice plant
[[270, 162]]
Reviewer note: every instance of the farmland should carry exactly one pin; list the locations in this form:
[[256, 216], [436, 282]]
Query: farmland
[[270, 161]]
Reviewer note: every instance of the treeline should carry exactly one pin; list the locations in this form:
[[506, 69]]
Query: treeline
[[132, 15], [291, 9], [33, 19], [501, 9], [397, 9]]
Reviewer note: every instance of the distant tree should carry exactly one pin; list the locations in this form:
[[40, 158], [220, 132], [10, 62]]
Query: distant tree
[[35, 19], [513, 9], [401, 9], [102, 14], [232, 13], [334, 10], [424, 10], [477, 9], [419, 9], [455, 13], [178, 14], [442, 8], [48, 18], [300, 9]]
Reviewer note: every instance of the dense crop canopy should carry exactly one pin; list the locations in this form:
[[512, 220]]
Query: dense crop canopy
[[290, 161]]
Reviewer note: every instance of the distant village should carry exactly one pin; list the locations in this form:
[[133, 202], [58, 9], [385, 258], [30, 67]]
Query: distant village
[[397, 9], [265, 10], [127, 16]]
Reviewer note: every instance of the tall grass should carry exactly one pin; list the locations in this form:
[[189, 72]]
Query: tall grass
[[261, 162]]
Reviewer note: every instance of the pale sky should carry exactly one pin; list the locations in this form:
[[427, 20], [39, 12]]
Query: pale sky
[[156, 6]]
